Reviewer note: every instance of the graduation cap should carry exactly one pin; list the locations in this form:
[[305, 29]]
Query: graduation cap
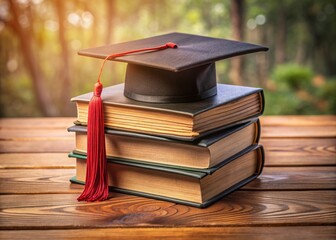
[[183, 72], [174, 67]]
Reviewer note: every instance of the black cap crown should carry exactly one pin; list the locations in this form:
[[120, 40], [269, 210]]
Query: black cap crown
[[183, 74]]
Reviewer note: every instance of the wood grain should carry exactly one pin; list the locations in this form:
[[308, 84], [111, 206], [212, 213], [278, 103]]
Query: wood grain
[[33, 181], [21, 181], [38, 135], [295, 178], [233, 233], [299, 152], [33, 133], [295, 120], [35, 160], [298, 126], [246, 208], [289, 151], [297, 131], [38, 145], [38, 123], [293, 199]]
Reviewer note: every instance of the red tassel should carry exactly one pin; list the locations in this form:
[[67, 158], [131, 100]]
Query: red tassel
[[96, 183]]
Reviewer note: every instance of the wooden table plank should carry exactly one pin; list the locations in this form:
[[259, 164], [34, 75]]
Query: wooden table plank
[[38, 145], [34, 133], [61, 160], [298, 126], [295, 120], [252, 208], [266, 132], [297, 131], [290, 151], [36, 181], [306, 151], [30, 181], [295, 178], [272, 126], [233, 233], [35, 160], [295, 194], [37, 123], [299, 152], [290, 120], [11, 133]]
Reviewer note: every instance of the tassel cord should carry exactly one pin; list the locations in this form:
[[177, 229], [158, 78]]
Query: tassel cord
[[96, 181]]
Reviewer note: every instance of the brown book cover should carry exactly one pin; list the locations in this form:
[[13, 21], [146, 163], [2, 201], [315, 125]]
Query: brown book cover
[[182, 121], [183, 186], [204, 153]]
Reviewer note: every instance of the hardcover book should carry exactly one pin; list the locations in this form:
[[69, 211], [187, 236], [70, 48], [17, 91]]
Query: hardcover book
[[202, 153], [182, 121], [194, 188]]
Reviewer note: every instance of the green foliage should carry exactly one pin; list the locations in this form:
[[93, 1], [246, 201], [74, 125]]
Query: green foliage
[[14, 101], [296, 89], [293, 89], [293, 76], [327, 96]]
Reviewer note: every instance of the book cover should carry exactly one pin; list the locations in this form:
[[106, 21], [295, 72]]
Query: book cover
[[184, 121], [203, 153], [194, 188]]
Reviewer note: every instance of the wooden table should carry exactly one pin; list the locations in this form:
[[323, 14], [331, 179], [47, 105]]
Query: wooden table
[[294, 198]]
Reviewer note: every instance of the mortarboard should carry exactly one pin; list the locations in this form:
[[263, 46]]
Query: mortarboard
[[186, 73], [183, 71]]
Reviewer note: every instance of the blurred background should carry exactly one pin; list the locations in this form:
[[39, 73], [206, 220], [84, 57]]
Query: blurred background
[[40, 69]]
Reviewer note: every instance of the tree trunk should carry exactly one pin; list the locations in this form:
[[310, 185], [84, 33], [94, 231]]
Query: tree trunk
[[110, 69], [237, 18], [39, 83], [262, 59], [110, 12], [64, 70], [280, 33]]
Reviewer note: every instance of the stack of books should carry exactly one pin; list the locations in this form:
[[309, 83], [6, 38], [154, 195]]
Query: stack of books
[[191, 153], [172, 132]]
